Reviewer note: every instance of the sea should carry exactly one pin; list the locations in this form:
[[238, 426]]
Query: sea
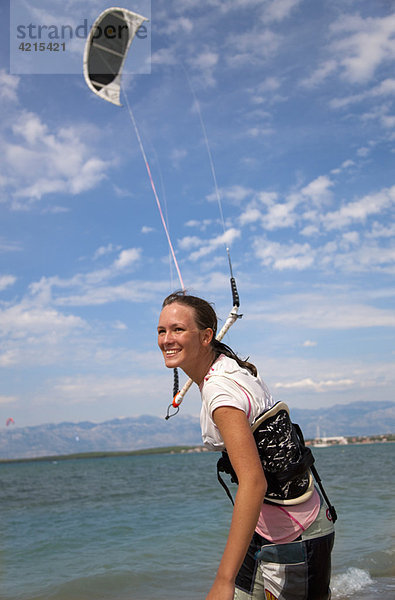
[[152, 527]]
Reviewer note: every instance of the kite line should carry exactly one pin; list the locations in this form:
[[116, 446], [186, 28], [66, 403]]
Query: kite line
[[153, 189], [210, 157], [178, 395]]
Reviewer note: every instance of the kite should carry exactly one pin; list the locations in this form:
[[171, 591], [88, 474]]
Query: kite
[[9, 421], [106, 50]]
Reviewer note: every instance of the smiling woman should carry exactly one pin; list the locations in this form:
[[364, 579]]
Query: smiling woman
[[258, 561]]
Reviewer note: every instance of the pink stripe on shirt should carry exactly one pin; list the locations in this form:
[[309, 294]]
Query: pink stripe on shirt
[[248, 398]]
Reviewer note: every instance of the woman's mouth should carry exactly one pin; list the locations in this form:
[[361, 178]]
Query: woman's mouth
[[171, 352]]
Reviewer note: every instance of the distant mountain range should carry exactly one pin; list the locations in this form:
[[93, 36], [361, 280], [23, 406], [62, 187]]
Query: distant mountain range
[[134, 433]]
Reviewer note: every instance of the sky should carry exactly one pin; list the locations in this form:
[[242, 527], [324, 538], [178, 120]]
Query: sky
[[297, 102]]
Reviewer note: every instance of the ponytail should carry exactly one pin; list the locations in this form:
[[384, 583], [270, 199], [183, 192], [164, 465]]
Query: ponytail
[[220, 348]]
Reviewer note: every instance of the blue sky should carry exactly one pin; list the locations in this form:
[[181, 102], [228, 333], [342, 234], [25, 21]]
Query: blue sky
[[297, 97]]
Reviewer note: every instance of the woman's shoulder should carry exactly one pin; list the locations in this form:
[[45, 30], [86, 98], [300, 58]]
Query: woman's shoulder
[[225, 365]]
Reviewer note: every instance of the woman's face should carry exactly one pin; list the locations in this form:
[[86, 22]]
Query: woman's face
[[181, 342]]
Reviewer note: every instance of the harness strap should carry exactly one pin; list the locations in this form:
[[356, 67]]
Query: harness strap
[[331, 508], [222, 482]]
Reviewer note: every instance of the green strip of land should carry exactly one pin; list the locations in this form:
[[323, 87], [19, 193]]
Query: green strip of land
[[83, 455]]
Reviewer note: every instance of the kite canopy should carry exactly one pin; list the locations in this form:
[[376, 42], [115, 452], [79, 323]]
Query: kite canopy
[[106, 49]]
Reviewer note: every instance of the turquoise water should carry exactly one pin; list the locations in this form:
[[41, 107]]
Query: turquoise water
[[152, 527]]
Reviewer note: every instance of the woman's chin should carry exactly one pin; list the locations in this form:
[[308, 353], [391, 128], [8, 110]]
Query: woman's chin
[[172, 362]]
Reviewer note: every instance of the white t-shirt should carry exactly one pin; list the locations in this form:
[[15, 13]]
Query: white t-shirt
[[227, 384]]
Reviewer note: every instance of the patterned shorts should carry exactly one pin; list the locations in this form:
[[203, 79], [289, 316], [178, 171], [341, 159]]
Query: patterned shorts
[[299, 570]]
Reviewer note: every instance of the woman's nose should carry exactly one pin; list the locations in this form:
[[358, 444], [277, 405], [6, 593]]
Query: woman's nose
[[168, 337]]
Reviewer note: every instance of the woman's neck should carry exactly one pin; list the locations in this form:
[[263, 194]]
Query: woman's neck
[[199, 371]]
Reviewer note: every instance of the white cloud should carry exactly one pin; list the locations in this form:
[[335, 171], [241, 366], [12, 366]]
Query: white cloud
[[333, 311], [253, 47], [21, 321], [346, 164], [363, 152], [281, 257], [367, 257], [350, 238], [318, 190], [177, 156], [120, 326], [201, 224], [251, 215], [363, 45], [268, 85], [382, 231], [127, 258], [6, 281], [360, 210], [309, 344], [90, 389], [234, 193], [320, 74], [205, 63], [278, 10], [93, 388], [383, 89], [206, 247], [260, 132], [317, 386], [104, 250], [8, 86], [7, 399], [165, 56], [189, 242], [280, 214], [39, 161], [310, 231], [88, 292], [359, 47], [266, 93], [9, 358], [177, 25]]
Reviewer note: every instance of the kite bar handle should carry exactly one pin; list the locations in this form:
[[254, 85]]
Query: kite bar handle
[[233, 286], [235, 293]]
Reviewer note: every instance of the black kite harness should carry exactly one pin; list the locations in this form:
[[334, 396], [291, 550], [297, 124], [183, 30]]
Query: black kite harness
[[287, 462]]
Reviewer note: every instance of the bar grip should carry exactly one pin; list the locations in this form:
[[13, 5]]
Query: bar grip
[[235, 293]]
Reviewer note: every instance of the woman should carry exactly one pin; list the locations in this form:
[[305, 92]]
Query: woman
[[271, 551]]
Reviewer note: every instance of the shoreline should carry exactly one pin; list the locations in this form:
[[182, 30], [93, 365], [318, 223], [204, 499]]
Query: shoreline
[[351, 441]]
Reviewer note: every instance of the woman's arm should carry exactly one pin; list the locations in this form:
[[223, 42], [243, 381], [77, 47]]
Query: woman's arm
[[240, 445]]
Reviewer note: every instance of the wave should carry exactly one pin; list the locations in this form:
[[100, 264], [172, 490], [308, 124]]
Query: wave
[[348, 583]]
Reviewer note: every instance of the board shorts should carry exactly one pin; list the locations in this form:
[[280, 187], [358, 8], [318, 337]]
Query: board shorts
[[298, 570]]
